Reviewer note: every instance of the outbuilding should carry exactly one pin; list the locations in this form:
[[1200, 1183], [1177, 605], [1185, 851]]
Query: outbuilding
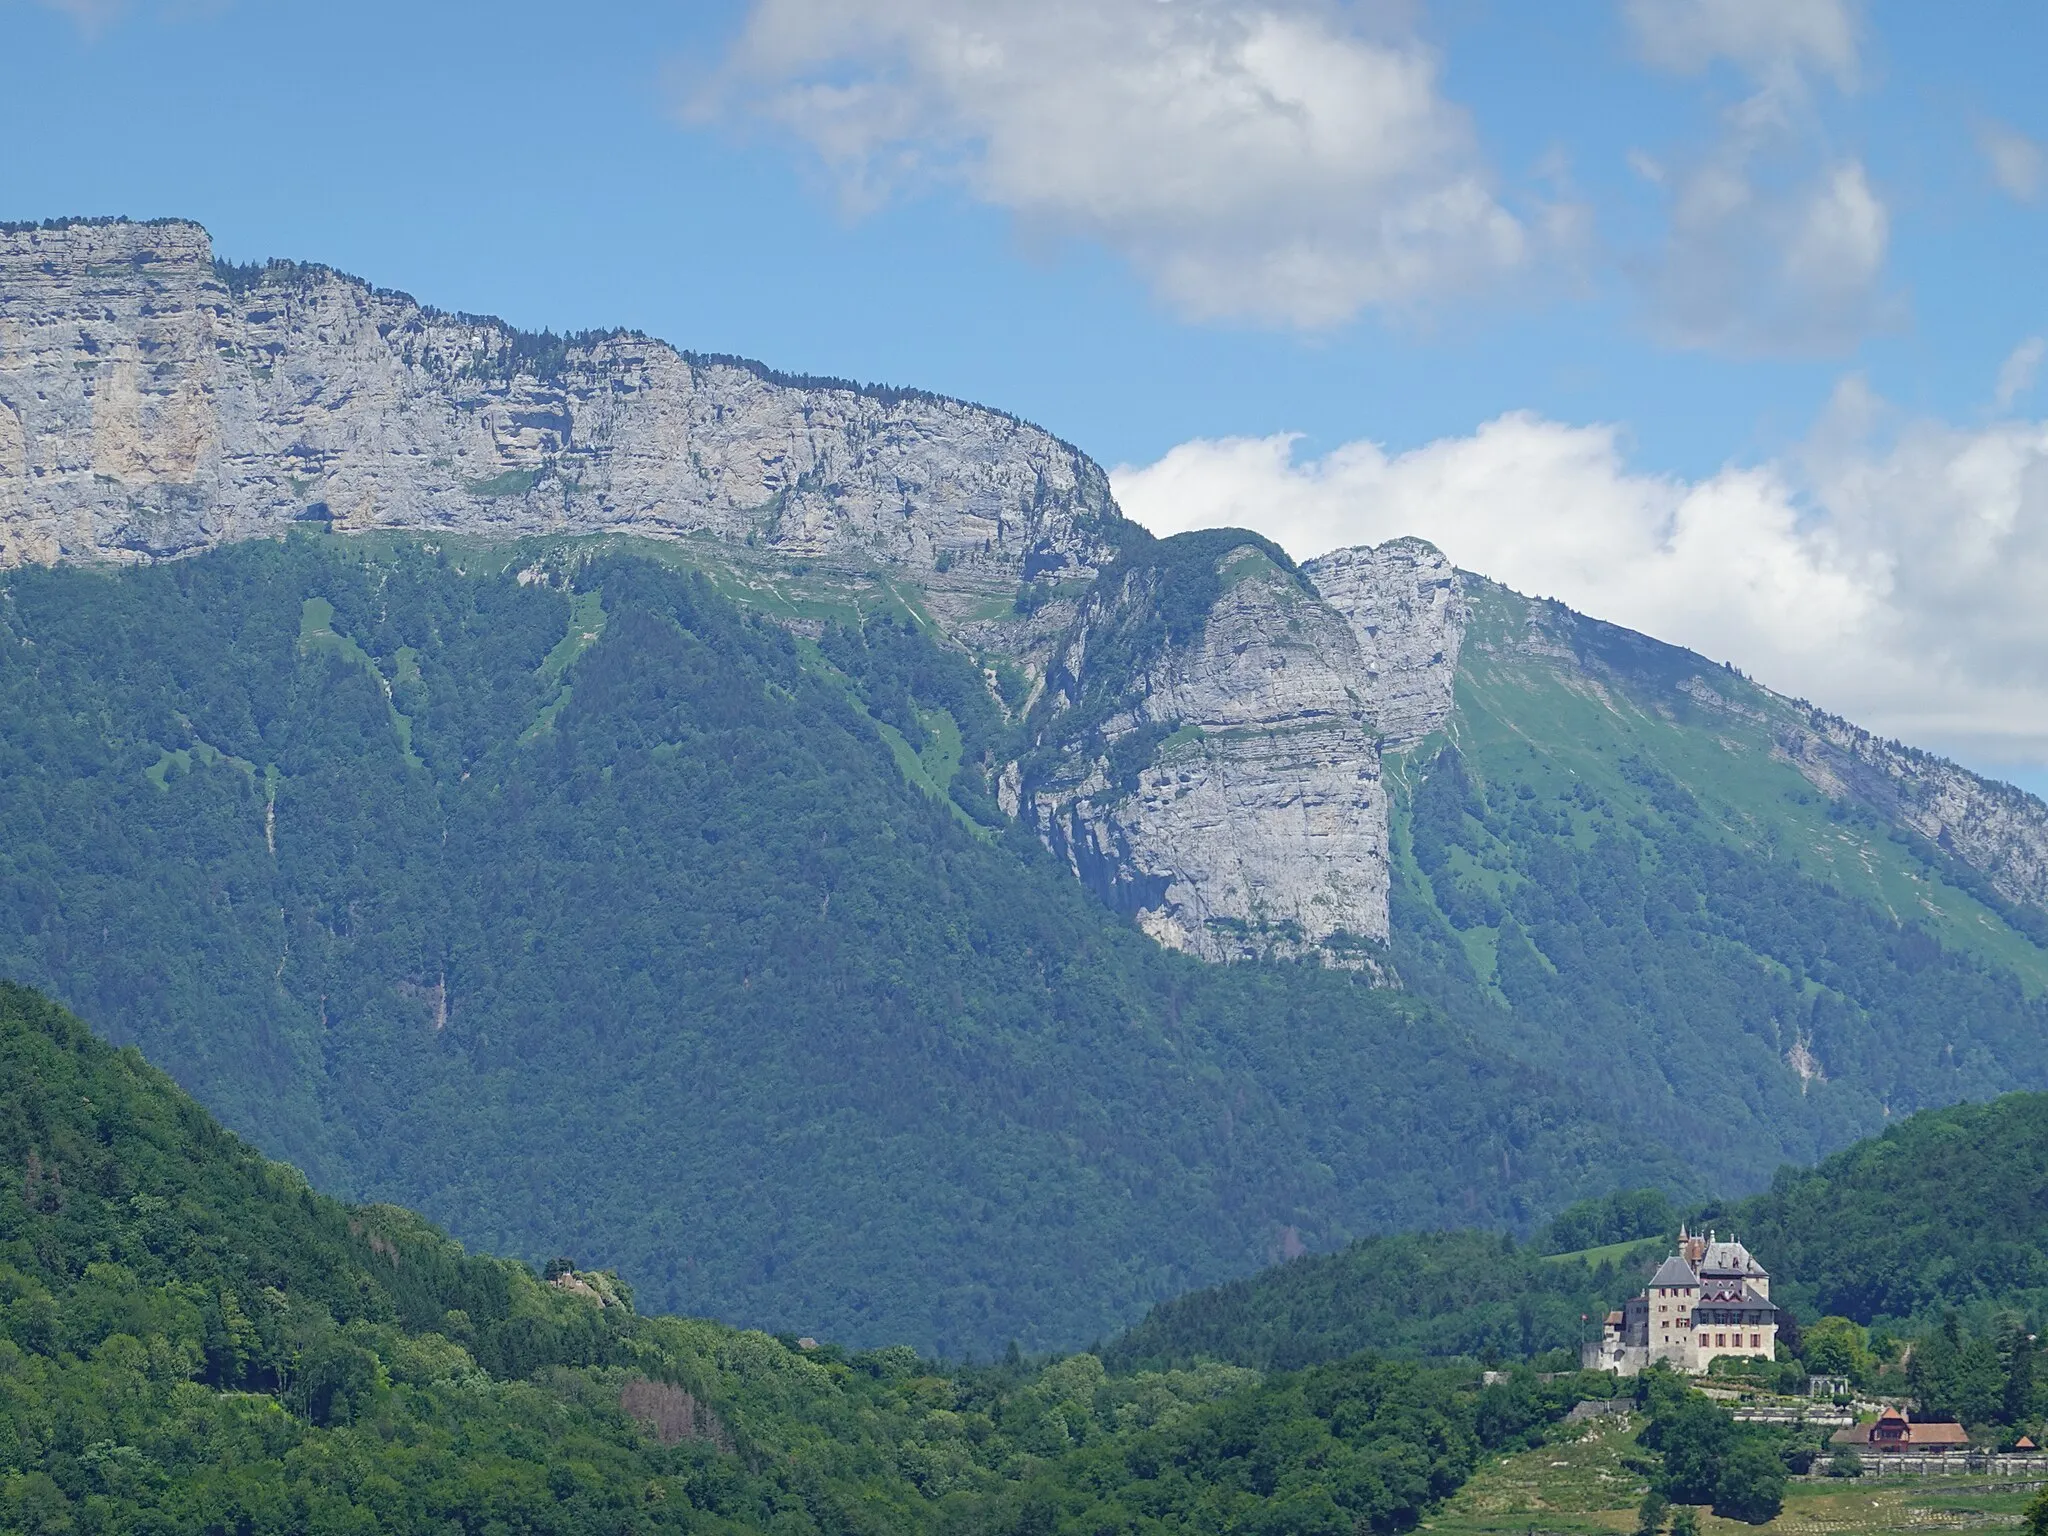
[[1893, 1431]]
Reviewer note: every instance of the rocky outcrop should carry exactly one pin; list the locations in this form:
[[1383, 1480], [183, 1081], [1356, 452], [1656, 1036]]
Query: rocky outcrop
[[1206, 762], [1996, 829], [1221, 784], [1404, 606], [152, 404]]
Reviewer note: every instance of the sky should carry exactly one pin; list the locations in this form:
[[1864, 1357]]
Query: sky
[[1722, 319]]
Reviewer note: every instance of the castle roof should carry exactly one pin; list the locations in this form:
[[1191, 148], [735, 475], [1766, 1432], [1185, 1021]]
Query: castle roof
[[1730, 1258], [1674, 1271]]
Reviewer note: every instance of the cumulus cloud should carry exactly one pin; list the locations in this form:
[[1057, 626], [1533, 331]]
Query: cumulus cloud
[[1774, 244], [1891, 570], [2016, 161], [1274, 160]]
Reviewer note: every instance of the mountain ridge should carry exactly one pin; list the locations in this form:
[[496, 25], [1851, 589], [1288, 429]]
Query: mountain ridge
[[177, 403]]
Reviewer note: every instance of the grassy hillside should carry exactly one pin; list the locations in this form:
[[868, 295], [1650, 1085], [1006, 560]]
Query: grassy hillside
[[1591, 1487], [1609, 866], [591, 915], [192, 1340]]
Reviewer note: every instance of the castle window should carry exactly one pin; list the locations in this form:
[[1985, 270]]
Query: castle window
[[1756, 1341], [1720, 1341]]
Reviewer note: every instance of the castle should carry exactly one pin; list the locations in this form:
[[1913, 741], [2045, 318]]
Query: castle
[[1710, 1298]]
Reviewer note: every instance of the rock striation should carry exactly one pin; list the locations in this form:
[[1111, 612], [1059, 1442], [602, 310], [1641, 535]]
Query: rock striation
[[154, 403], [1996, 829]]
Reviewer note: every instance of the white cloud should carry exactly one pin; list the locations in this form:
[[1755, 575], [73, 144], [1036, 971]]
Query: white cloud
[[1762, 37], [1775, 244], [1756, 262], [2016, 161], [2016, 373], [1890, 571], [1838, 240], [1276, 160]]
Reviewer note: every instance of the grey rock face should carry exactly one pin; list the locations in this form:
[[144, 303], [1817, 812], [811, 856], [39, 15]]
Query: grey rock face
[[150, 407], [1227, 791], [1404, 607]]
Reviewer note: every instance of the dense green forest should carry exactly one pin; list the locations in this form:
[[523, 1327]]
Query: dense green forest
[[553, 892], [1479, 1295], [567, 902], [191, 1339], [1935, 1230], [1947, 1210]]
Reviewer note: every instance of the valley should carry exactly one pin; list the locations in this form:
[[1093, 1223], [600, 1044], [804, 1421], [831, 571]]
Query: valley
[[192, 1339]]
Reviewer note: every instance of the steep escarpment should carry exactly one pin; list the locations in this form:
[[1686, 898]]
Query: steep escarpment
[[1403, 602], [1222, 785], [1203, 757], [153, 402]]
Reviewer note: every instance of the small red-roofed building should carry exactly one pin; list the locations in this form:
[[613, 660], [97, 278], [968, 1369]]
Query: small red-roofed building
[[1893, 1431]]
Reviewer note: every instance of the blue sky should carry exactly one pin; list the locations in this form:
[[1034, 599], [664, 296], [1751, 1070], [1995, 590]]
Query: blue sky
[[1691, 312]]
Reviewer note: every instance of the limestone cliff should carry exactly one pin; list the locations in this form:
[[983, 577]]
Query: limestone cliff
[[1996, 829], [1403, 604], [1205, 759], [152, 403]]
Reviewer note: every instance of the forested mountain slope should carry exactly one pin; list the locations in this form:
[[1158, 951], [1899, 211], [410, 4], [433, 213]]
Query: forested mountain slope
[[1222, 783], [1948, 1209], [1945, 1214], [192, 1340], [1457, 1293], [1621, 859], [792, 930], [575, 907]]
